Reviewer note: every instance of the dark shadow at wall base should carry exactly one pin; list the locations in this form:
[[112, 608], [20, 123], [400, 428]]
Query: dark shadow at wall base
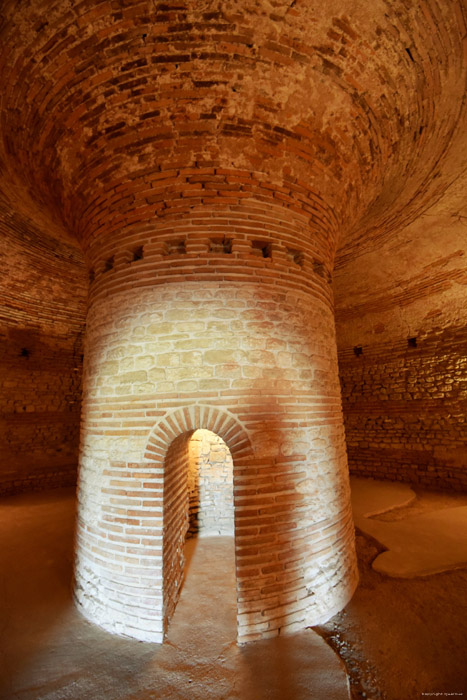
[[61, 478]]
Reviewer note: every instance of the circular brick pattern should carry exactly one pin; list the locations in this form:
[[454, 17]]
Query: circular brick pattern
[[101, 100], [210, 160]]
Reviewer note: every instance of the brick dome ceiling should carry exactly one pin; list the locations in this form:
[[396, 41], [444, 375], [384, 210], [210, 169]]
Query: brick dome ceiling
[[215, 160], [344, 110]]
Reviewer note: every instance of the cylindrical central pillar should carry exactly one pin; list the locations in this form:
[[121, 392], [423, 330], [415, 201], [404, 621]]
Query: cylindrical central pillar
[[206, 155], [225, 315]]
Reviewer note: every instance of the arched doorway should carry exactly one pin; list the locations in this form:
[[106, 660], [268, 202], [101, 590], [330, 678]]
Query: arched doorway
[[168, 456], [198, 502], [293, 540]]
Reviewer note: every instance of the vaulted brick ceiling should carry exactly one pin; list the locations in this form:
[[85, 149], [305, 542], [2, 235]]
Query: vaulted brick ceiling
[[344, 110]]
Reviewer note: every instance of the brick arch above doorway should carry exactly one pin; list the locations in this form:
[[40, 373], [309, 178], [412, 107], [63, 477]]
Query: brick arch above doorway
[[183, 420], [167, 454]]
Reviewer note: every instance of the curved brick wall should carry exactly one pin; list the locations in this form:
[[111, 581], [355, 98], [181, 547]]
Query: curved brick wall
[[210, 486], [255, 337], [339, 103], [42, 319], [211, 159], [405, 395]]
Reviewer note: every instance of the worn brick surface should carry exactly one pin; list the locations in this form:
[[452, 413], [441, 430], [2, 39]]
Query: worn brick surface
[[41, 347], [210, 486], [405, 395], [216, 162], [266, 359]]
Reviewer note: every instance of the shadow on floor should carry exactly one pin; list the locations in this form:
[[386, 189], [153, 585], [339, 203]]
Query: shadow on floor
[[50, 652]]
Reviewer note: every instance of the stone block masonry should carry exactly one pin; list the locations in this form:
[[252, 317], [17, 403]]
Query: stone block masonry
[[210, 486], [248, 352]]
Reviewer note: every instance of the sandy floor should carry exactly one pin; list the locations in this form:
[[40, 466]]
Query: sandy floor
[[401, 638], [48, 651]]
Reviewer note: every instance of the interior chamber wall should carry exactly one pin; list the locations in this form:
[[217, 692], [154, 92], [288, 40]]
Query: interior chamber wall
[[245, 333], [266, 360]]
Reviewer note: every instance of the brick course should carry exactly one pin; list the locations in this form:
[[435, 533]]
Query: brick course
[[212, 161], [41, 346], [405, 411], [263, 354]]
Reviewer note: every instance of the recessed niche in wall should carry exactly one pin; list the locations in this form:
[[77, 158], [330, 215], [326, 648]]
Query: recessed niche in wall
[[412, 342], [177, 247], [24, 352], [262, 249], [358, 350], [109, 263], [138, 253], [319, 268], [220, 245], [296, 256]]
